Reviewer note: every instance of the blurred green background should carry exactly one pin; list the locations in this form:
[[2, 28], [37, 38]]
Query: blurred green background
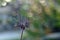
[[43, 15]]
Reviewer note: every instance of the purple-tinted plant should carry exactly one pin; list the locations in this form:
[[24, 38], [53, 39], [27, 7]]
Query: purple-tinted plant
[[22, 26]]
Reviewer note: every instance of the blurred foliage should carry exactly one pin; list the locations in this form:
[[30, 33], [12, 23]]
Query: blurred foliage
[[58, 1], [43, 17]]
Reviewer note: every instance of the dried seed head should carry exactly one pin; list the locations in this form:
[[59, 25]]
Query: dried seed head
[[23, 25]]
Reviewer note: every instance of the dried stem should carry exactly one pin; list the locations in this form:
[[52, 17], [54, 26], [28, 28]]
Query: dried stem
[[22, 35]]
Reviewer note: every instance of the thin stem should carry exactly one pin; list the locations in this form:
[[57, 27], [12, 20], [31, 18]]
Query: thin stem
[[22, 35]]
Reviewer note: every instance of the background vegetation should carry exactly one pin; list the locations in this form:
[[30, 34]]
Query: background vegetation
[[43, 15]]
